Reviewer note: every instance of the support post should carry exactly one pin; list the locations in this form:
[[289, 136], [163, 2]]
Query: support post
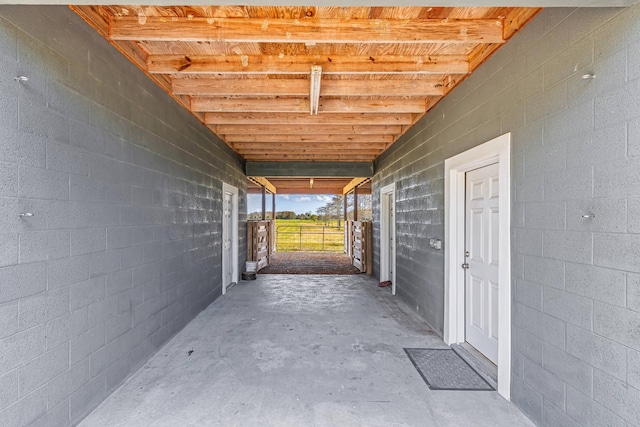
[[355, 203], [264, 203]]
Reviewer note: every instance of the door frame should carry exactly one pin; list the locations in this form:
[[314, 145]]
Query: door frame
[[230, 189], [497, 150], [387, 195]]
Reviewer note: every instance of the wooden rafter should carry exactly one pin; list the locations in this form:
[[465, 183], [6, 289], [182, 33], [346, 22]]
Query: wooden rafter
[[260, 118], [300, 87], [353, 184], [260, 180], [347, 145], [340, 157], [370, 31], [300, 105], [322, 138], [316, 151], [258, 64], [310, 129]]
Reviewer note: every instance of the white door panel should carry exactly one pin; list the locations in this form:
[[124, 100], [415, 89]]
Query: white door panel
[[481, 278]]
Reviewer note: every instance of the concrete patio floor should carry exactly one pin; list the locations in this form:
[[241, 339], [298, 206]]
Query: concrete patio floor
[[298, 350]]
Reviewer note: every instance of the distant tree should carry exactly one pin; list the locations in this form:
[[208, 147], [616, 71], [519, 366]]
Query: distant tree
[[286, 215], [332, 210]]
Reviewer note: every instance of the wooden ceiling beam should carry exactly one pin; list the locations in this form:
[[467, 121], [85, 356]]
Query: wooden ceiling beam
[[301, 64], [338, 157], [307, 129], [260, 180], [294, 145], [232, 139], [301, 105], [356, 151], [305, 118], [300, 87], [353, 184], [195, 29]]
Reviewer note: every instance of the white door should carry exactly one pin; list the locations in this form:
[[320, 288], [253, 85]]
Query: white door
[[387, 236], [391, 242], [227, 243], [481, 260]]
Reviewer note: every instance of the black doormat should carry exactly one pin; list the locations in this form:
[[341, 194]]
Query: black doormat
[[443, 369]]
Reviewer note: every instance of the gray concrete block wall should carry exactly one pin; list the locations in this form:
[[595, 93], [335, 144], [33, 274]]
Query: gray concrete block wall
[[575, 281], [124, 247]]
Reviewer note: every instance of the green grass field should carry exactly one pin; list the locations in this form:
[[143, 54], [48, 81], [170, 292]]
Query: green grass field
[[295, 235]]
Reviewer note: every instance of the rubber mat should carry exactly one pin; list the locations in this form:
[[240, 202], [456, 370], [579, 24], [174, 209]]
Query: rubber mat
[[443, 369]]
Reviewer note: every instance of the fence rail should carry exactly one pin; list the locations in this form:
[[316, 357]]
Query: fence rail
[[309, 239]]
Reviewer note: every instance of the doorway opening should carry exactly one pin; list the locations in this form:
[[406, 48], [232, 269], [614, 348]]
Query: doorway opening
[[388, 235], [478, 256], [229, 236]]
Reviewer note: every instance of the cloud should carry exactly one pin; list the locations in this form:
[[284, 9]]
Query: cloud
[[303, 199], [326, 199], [286, 197]]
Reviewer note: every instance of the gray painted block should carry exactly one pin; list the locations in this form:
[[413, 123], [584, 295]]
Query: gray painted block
[[26, 410], [610, 215], [571, 308], [618, 324], [597, 283], [67, 271], [527, 399], [86, 293], [589, 413], [617, 396], [568, 246], [87, 398], [547, 328], [21, 347], [554, 416], [545, 215], [9, 319], [26, 281], [569, 369], [543, 381], [633, 368], [606, 144], [43, 245], [545, 271], [569, 185], [633, 292], [63, 328], [22, 148], [87, 240], [62, 386], [618, 251], [39, 371], [9, 183], [599, 352], [8, 249], [618, 178], [633, 214], [43, 307], [86, 344], [43, 184], [8, 389]]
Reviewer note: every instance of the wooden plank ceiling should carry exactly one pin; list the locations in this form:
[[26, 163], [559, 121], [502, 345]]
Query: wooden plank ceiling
[[244, 71]]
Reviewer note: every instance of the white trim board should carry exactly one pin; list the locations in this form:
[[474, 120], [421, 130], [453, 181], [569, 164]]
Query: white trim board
[[497, 150]]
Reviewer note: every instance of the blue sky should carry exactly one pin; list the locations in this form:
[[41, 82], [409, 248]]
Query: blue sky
[[299, 203]]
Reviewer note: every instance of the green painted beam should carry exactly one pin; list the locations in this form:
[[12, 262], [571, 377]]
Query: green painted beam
[[310, 169]]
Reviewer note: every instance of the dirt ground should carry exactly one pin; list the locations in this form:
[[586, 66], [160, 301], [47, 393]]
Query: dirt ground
[[309, 263]]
